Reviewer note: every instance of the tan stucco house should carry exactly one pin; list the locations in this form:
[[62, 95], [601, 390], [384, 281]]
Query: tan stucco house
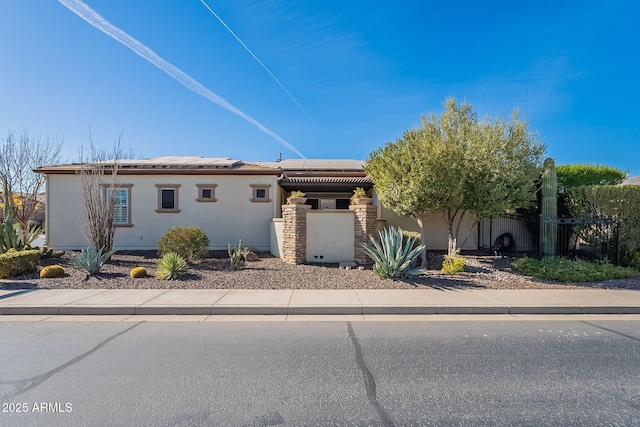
[[230, 200]]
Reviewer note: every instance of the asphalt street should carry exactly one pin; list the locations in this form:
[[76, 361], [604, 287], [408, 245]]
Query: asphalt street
[[532, 373]]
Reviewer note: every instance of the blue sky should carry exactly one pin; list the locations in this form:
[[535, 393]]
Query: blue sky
[[351, 76]]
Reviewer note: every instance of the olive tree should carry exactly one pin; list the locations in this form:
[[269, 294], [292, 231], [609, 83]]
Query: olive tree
[[455, 165]]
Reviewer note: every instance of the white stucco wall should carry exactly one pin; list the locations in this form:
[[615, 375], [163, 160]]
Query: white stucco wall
[[276, 236], [436, 228], [330, 236], [232, 217]]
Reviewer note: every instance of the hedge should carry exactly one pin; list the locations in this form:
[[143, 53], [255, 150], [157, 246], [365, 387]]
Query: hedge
[[18, 263]]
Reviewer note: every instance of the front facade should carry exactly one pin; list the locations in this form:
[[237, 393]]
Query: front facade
[[230, 200]]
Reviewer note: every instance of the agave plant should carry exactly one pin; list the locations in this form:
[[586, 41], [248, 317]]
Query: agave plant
[[393, 257], [10, 236], [171, 267], [91, 259]]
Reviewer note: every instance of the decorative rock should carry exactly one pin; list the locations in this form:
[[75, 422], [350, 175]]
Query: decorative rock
[[250, 256]]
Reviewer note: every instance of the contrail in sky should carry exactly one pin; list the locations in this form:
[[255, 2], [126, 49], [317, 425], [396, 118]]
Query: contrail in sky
[[92, 17], [255, 57]]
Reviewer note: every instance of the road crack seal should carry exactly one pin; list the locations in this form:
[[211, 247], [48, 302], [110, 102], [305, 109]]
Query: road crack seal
[[369, 380], [23, 386]]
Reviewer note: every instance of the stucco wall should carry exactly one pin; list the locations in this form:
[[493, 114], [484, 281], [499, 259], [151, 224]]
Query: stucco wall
[[330, 236], [436, 228], [276, 236], [232, 217]]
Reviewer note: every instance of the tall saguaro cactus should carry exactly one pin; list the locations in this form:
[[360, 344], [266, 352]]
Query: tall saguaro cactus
[[549, 223]]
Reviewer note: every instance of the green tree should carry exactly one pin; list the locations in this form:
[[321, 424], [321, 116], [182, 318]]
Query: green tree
[[577, 175], [456, 165], [583, 174]]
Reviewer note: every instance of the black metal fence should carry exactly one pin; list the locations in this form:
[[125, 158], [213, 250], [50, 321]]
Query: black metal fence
[[584, 238]]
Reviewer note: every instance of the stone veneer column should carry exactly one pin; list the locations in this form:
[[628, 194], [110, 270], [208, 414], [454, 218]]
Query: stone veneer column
[[365, 226], [294, 236]]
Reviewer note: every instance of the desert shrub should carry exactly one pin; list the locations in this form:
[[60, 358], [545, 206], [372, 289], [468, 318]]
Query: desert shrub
[[358, 193], [91, 259], [189, 242], [138, 272], [51, 271], [568, 271], [18, 263], [45, 252], [453, 264], [171, 267], [296, 194], [393, 256], [235, 256], [631, 259], [415, 235]]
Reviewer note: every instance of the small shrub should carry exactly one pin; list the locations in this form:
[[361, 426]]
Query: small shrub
[[392, 256], [138, 272], [296, 194], [91, 259], [46, 252], [631, 259], [171, 267], [17, 263], [235, 256], [453, 264], [51, 271], [189, 242], [358, 193], [415, 235], [568, 271]]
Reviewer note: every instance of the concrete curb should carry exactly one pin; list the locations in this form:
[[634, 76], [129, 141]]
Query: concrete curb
[[314, 310], [316, 302]]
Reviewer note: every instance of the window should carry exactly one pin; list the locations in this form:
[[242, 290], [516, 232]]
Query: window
[[313, 203], [260, 193], [206, 192], [168, 198], [122, 203], [343, 203]]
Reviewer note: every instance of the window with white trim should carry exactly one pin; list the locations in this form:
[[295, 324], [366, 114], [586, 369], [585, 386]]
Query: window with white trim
[[122, 203]]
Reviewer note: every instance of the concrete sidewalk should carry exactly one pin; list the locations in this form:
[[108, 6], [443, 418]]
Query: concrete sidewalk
[[316, 302]]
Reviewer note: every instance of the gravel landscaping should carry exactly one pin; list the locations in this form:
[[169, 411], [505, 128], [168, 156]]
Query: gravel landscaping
[[482, 271]]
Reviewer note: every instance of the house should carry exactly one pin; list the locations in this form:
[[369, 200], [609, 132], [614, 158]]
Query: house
[[232, 200], [634, 180]]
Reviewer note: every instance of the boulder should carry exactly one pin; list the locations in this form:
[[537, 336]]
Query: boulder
[[250, 256]]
